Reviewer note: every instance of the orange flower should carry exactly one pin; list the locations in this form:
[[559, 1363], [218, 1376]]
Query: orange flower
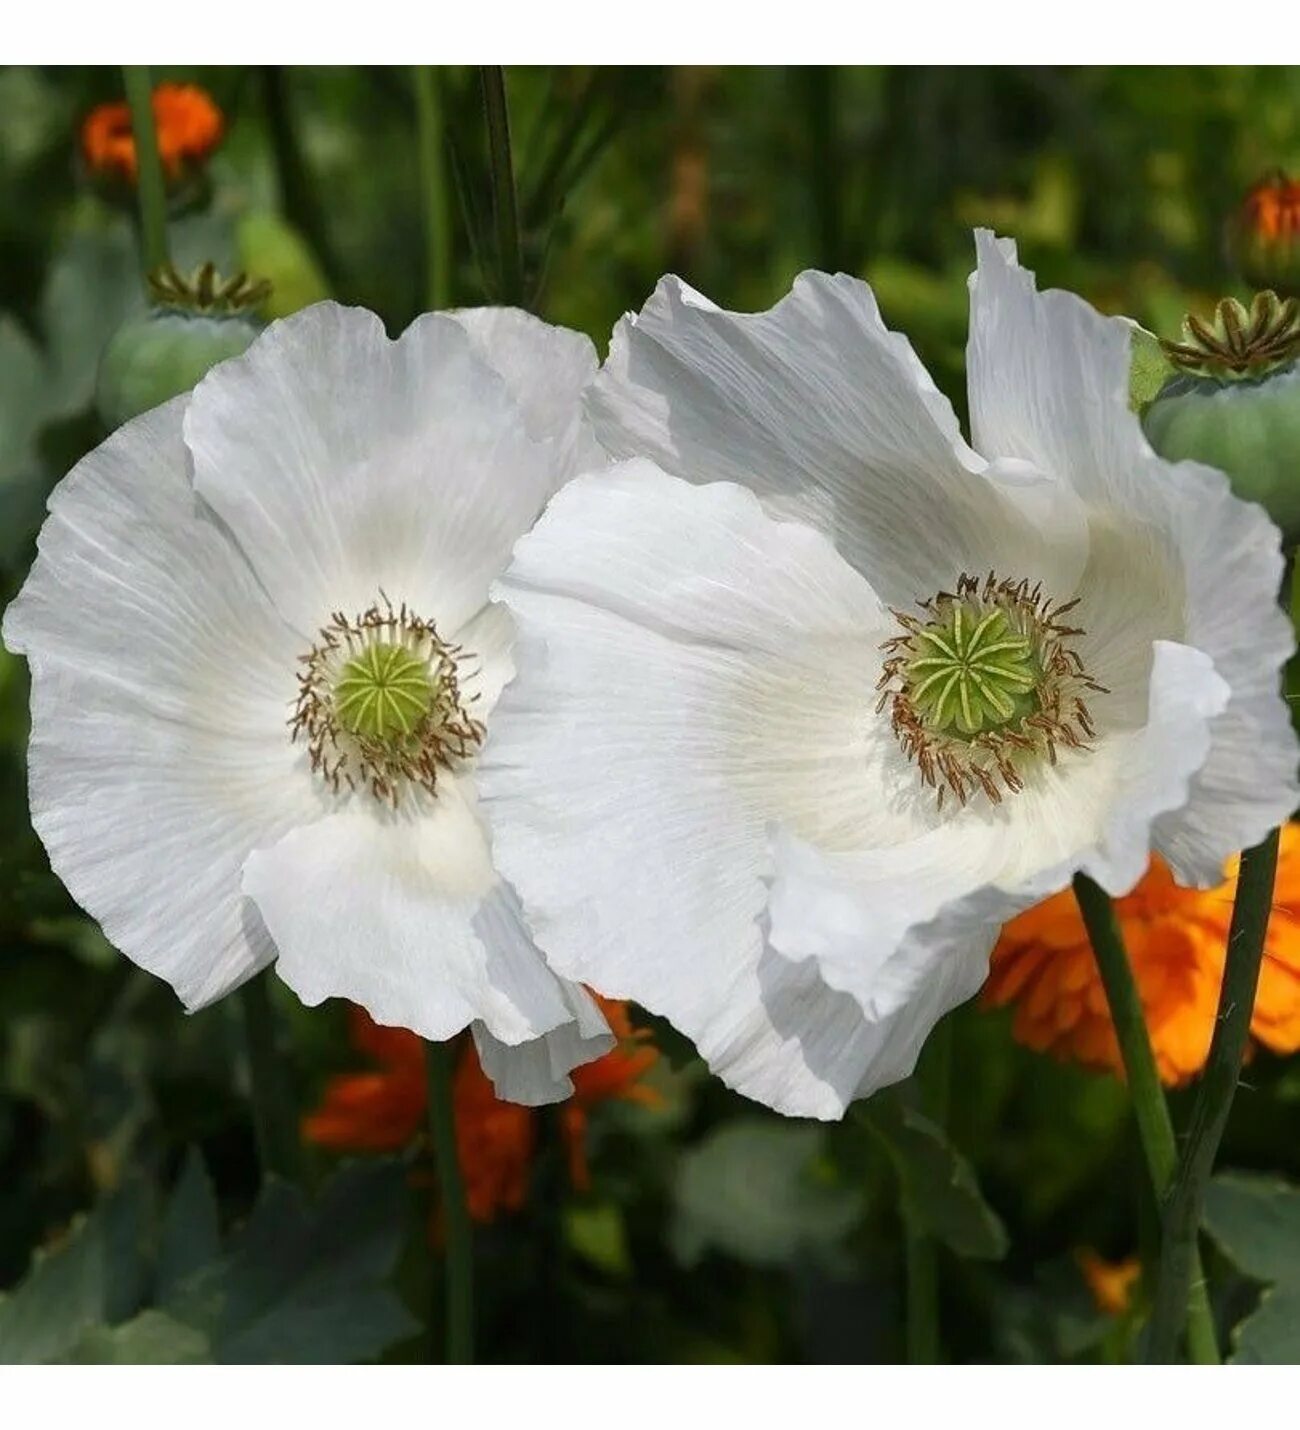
[[384, 1110], [187, 121], [1044, 965], [1266, 234], [1272, 207], [1111, 1282], [494, 1141], [615, 1076]]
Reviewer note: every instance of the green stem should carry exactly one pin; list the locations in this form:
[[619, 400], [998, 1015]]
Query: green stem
[[922, 1262], [826, 166], [455, 1212], [433, 187], [272, 1096], [1181, 1221], [1155, 1129], [149, 175], [921, 1251], [505, 206], [302, 206]]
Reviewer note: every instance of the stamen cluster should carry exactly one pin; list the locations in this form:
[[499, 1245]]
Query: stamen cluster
[[985, 685], [379, 703]]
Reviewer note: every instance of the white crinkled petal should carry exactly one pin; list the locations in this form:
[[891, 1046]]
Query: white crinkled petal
[[855, 1052], [694, 674], [161, 681], [347, 465], [615, 774], [1049, 385], [863, 915], [546, 368], [400, 911], [829, 417]]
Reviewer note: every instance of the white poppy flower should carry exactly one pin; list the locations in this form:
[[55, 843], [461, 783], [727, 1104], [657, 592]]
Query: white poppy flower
[[263, 657], [782, 782]]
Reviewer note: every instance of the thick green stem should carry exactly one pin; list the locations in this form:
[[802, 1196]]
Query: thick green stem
[[274, 1118], [922, 1260], [302, 206], [825, 171], [150, 189], [1181, 1219], [1155, 1129], [459, 1263], [921, 1251], [505, 205], [433, 188]]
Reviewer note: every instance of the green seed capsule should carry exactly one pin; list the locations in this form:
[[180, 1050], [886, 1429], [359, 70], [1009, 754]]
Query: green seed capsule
[[196, 321], [154, 357], [1250, 430], [1234, 403]]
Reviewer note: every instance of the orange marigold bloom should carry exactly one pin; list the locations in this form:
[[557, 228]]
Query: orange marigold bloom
[[379, 1111], [188, 123], [1112, 1283], [1266, 234], [1044, 964], [1272, 207], [384, 1110], [494, 1140], [617, 1075]]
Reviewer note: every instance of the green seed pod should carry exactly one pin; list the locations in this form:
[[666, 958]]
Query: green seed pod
[[193, 324], [1234, 403]]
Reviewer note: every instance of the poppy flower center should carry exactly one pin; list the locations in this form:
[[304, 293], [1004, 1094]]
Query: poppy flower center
[[380, 705], [985, 685], [384, 693]]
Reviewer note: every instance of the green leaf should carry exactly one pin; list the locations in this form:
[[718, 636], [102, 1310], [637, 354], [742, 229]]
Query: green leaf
[[93, 284], [598, 1234], [306, 1282], [23, 403], [1256, 1220], [1149, 369], [93, 1276], [152, 1338], [270, 247], [936, 1182], [759, 1191], [191, 1233]]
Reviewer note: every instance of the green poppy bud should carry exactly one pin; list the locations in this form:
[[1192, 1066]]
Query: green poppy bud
[[1233, 402], [192, 324]]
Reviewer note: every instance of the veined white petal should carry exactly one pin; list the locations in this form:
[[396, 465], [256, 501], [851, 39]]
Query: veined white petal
[[630, 826], [161, 684], [869, 917], [347, 465], [400, 911], [1049, 385], [716, 672], [546, 369], [828, 416], [537, 1072]]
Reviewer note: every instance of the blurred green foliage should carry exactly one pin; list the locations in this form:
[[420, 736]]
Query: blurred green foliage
[[132, 1226]]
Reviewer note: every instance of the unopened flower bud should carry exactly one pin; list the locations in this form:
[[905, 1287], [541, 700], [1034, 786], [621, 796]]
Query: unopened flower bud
[[1265, 235]]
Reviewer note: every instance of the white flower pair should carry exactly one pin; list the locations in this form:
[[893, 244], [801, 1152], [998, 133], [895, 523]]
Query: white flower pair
[[807, 698]]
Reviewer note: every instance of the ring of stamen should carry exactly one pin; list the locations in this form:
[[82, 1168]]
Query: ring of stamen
[[985, 686], [380, 705]]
